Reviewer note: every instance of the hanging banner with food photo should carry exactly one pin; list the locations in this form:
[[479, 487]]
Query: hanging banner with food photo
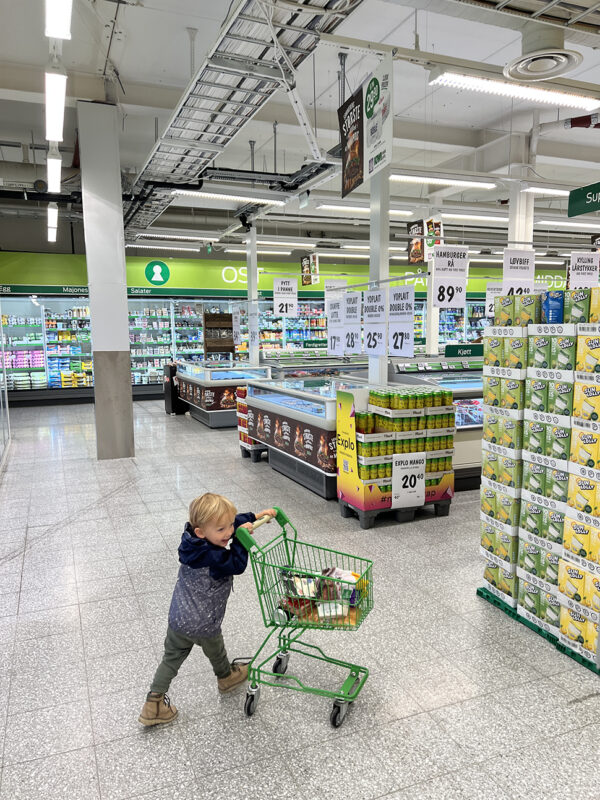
[[350, 117], [416, 241]]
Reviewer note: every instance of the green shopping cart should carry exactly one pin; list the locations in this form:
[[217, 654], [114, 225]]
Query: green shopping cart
[[302, 586]]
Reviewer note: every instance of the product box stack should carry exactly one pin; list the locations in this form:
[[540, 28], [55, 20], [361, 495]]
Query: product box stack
[[246, 442]]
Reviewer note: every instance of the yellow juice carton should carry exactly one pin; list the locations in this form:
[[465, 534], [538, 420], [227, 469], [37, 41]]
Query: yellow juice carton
[[510, 471], [560, 398], [490, 465], [511, 433], [572, 625], [490, 573], [592, 592], [534, 436], [554, 522], [571, 580], [550, 568], [493, 351], [529, 597], [540, 349], [550, 609], [582, 494], [488, 537], [515, 352], [563, 352], [576, 537], [588, 353], [512, 393], [491, 390], [491, 428], [558, 442], [557, 484], [586, 400], [577, 306], [528, 309], [531, 557], [531, 517], [585, 447], [536, 394], [508, 583], [591, 636], [488, 501], [534, 477], [507, 509], [504, 310], [507, 547], [595, 305]]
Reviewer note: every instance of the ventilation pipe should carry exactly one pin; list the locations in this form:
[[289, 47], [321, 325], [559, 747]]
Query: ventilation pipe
[[543, 55]]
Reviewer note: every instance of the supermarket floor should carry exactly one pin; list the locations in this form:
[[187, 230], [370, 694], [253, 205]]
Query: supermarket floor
[[461, 703]]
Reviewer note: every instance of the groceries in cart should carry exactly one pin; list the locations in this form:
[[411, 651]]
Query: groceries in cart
[[328, 597]]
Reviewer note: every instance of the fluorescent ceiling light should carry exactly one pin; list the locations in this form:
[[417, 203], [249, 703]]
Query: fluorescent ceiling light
[[399, 258], [295, 245], [190, 238], [238, 198], [53, 170], [52, 215], [163, 247], [487, 261], [472, 184], [338, 254], [531, 94], [539, 261], [474, 217], [394, 212], [259, 252], [56, 91], [392, 248], [548, 192], [52, 234], [58, 19], [558, 223]]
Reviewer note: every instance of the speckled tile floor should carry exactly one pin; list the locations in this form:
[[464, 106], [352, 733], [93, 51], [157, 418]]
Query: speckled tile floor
[[461, 703]]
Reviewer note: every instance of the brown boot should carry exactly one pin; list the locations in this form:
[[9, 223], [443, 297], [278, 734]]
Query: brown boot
[[157, 710], [238, 674]]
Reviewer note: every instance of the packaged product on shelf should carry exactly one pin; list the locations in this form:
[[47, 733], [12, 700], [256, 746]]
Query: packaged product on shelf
[[550, 609], [550, 567], [585, 447], [588, 353], [529, 597], [490, 465], [539, 351], [552, 307], [586, 400], [491, 390], [508, 583], [582, 494], [488, 537], [515, 352], [536, 394], [553, 525], [507, 509], [591, 636], [491, 428], [531, 557], [558, 442], [572, 625], [488, 501], [532, 518], [534, 477], [534, 436], [560, 398], [510, 471], [571, 580], [591, 596], [507, 547], [512, 393], [595, 305], [490, 573], [563, 352], [594, 554], [528, 309], [557, 484], [577, 306], [511, 433], [504, 310], [577, 537], [493, 349]]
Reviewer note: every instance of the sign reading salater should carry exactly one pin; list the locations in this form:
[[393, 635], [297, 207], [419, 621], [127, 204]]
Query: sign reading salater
[[285, 297], [401, 340], [518, 276], [408, 480], [450, 276], [583, 272]]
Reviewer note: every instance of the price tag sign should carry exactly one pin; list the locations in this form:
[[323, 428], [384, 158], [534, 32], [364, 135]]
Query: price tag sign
[[352, 339], [450, 277], [491, 290], [375, 313], [401, 340], [253, 322], [285, 297], [335, 341], [375, 306], [332, 287], [518, 276], [583, 272], [235, 318], [408, 480], [335, 317], [352, 307], [401, 310], [375, 339]]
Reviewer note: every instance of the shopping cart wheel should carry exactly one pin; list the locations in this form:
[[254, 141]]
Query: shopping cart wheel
[[252, 699], [280, 664], [338, 714]]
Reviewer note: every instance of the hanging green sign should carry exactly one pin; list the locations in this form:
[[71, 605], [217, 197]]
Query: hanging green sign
[[157, 273], [584, 200]]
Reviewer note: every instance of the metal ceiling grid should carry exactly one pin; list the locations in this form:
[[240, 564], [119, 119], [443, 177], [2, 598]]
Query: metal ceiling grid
[[241, 72], [582, 16]]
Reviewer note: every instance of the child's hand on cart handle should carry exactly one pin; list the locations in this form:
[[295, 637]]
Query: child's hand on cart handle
[[268, 512]]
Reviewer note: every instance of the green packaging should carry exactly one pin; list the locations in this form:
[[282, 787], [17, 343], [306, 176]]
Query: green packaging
[[491, 428], [534, 477], [577, 306], [491, 573], [550, 609], [504, 310], [554, 522], [515, 352], [512, 393], [488, 537], [557, 484], [529, 597], [528, 309], [550, 567], [560, 398], [507, 547], [510, 471], [558, 442], [511, 433], [491, 390], [490, 466], [534, 436], [531, 558], [563, 352], [493, 348], [488, 501], [532, 518], [508, 582], [507, 509], [536, 394], [540, 349]]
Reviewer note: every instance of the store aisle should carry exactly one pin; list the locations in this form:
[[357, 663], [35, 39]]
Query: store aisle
[[455, 706]]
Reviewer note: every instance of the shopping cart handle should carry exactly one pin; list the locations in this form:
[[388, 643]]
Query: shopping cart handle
[[247, 539]]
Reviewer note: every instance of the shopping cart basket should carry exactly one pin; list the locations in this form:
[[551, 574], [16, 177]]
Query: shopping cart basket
[[302, 586]]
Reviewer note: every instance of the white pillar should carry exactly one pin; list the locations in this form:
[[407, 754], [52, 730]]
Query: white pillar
[[107, 279], [252, 275], [379, 258]]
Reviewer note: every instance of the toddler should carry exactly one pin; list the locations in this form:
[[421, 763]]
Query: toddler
[[200, 598]]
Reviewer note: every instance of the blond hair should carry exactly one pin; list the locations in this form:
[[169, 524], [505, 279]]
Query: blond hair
[[210, 507]]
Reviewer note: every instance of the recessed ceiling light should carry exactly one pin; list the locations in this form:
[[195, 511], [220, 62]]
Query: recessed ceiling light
[[237, 198], [559, 223], [52, 215], [56, 92], [58, 19], [435, 181], [541, 190], [337, 254], [391, 248], [474, 217], [259, 252], [295, 245], [172, 249], [53, 170], [394, 212], [178, 238]]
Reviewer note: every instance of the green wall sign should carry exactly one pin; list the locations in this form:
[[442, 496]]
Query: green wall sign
[[584, 200], [157, 273], [463, 351]]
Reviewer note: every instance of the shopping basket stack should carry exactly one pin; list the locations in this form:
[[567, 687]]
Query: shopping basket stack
[[302, 586]]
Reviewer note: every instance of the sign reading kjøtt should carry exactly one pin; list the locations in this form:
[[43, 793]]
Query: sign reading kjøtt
[[285, 297]]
